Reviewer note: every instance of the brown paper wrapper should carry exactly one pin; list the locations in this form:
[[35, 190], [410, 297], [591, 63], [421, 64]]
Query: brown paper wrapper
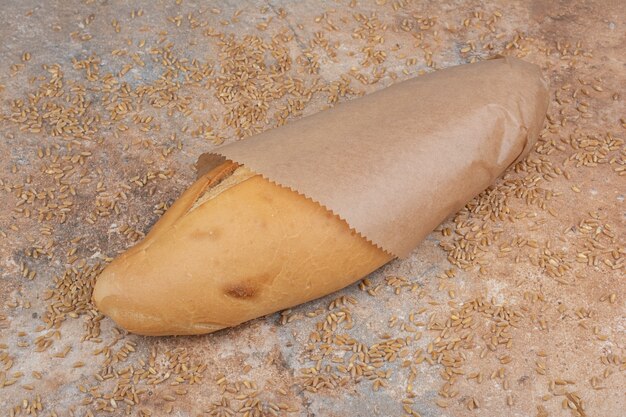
[[394, 164]]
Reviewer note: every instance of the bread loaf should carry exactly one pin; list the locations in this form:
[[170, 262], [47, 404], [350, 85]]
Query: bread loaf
[[393, 165], [232, 248]]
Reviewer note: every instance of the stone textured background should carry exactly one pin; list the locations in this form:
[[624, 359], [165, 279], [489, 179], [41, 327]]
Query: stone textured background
[[513, 307]]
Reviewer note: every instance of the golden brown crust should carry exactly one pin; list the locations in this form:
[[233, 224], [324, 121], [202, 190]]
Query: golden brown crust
[[225, 179], [252, 249], [220, 173], [180, 206]]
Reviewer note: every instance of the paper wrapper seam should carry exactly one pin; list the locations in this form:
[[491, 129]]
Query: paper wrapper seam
[[395, 163]]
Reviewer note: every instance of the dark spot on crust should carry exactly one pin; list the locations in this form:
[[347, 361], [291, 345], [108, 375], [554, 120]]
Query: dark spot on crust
[[240, 291], [248, 287]]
